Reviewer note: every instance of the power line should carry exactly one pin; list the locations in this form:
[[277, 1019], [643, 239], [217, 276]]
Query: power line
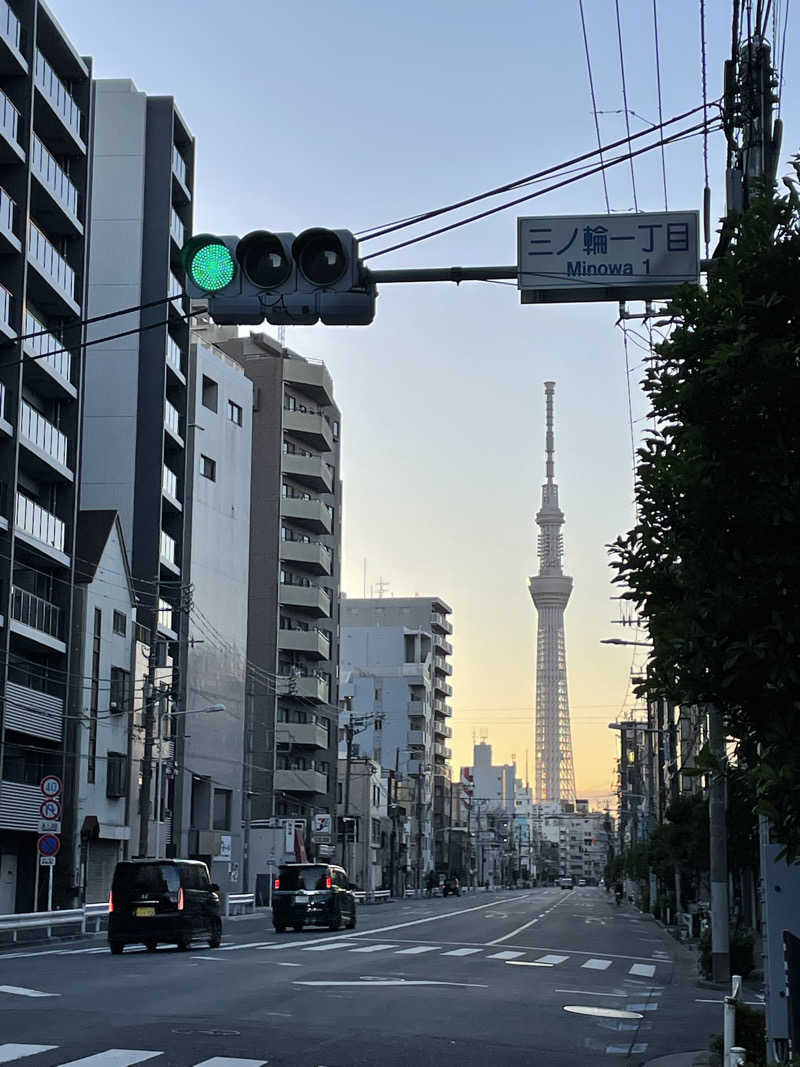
[[706, 187], [594, 103], [625, 102]]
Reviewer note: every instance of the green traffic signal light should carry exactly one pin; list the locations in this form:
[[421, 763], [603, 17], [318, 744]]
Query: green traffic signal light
[[212, 266]]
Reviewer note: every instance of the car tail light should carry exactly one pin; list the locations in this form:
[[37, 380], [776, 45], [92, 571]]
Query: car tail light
[[180, 899], [110, 902], [277, 884], [328, 882]]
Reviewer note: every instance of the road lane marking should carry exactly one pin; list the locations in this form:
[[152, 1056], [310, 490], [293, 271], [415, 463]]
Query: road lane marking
[[21, 991], [394, 982], [505, 955], [248, 944], [603, 1013], [525, 963], [526, 925], [627, 1050], [373, 948], [649, 1006], [114, 1057], [228, 1061], [552, 958], [18, 1052], [218, 958], [462, 952], [416, 951], [326, 947], [589, 993], [644, 970], [280, 963], [596, 965]]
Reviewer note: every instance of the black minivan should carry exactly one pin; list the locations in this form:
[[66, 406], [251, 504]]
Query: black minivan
[[318, 893], [163, 901]]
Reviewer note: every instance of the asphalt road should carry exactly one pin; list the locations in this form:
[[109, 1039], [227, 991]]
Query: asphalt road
[[540, 977]]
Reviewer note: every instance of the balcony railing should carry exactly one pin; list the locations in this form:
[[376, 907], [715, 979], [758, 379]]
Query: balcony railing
[[172, 419], [36, 612], [176, 228], [51, 261], [9, 117], [169, 482], [57, 93], [174, 354], [175, 292], [7, 208], [167, 547], [5, 305], [9, 24], [53, 176], [47, 347], [178, 164], [43, 433], [40, 523], [2, 402]]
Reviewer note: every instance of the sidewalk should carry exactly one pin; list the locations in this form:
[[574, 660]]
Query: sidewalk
[[683, 1059]]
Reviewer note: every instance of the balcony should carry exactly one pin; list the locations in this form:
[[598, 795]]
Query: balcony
[[300, 781], [310, 599], [311, 377], [440, 664], [415, 738], [9, 127], [174, 356], [49, 443], [442, 687], [302, 733], [10, 33], [176, 228], [442, 645], [442, 731], [169, 483], [52, 266], [441, 622], [179, 170], [54, 178], [442, 751], [166, 549], [8, 211], [312, 514], [440, 708], [5, 312], [39, 523], [312, 687], [416, 709], [312, 556], [48, 350], [37, 618], [33, 712], [175, 293], [57, 95], [172, 421], [309, 427], [311, 471], [313, 642]]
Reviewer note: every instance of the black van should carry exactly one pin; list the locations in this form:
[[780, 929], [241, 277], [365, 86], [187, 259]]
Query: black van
[[169, 901], [318, 893]]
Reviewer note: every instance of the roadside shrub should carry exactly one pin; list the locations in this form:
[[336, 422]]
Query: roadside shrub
[[751, 1032], [742, 951]]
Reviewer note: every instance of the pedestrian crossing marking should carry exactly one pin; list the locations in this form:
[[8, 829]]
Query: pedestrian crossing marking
[[627, 1050], [229, 1061], [461, 952], [114, 1057], [417, 950], [597, 965], [249, 944], [21, 991], [505, 955], [552, 958], [18, 1052], [327, 947], [643, 970], [373, 948]]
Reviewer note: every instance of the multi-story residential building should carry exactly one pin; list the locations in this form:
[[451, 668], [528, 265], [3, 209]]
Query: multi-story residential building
[[135, 408], [395, 670], [367, 833], [208, 813], [45, 144], [293, 610], [101, 702]]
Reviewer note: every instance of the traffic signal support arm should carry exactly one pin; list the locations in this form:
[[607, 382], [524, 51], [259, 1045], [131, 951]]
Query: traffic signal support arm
[[461, 274]]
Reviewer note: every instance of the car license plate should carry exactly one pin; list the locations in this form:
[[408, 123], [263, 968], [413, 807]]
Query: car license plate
[[142, 913], [299, 898]]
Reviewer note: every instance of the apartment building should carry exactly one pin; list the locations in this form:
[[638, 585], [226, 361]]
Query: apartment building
[[135, 407], [45, 149], [293, 609], [395, 669], [367, 834]]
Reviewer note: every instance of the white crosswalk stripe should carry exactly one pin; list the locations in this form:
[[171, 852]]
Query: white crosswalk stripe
[[505, 955], [18, 1052], [114, 1057], [462, 952], [373, 948], [417, 950], [229, 1061], [329, 946], [552, 958], [597, 965], [643, 970]]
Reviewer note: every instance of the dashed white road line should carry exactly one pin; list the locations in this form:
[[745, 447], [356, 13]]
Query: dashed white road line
[[417, 950], [596, 965], [21, 991], [505, 955], [552, 958], [462, 952], [644, 970], [373, 948]]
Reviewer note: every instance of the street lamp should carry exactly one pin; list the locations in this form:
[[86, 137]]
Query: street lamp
[[196, 711]]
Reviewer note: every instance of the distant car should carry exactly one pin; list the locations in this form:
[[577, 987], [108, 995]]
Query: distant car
[[163, 901], [312, 893], [581, 882], [566, 882], [451, 885]]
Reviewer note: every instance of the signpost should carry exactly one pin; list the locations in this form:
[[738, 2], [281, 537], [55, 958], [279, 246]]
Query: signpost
[[575, 258], [48, 845]]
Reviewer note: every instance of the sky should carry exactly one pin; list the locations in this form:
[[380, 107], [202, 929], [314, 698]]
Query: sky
[[352, 115]]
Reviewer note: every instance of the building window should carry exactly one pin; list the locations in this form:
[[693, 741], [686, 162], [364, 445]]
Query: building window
[[376, 831], [210, 393], [119, 624], [222, 809], [116, 774], [208, 468], [291, 403], [120, 689], [336, 431], [234, 413]]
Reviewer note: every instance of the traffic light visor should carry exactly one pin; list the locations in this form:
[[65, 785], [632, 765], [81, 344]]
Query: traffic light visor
[[264, 259], [320, 256], [208, 262]]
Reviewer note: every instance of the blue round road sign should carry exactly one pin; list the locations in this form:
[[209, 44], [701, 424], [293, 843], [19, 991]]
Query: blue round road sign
[[49, 845]]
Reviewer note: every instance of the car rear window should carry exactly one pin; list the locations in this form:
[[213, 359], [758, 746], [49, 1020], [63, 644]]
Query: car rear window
[[303, 877], [146, 878]]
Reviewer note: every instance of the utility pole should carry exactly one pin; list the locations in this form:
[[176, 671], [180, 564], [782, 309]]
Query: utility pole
[[348, 733], [717, 815], [147, 758]]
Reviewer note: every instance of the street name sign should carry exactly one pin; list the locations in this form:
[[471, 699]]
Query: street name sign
[[577, 258]]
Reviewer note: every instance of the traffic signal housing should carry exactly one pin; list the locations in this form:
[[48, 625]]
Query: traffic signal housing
[[286, 279]]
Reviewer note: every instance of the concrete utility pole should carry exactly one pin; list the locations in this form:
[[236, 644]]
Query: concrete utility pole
[[717, 815]]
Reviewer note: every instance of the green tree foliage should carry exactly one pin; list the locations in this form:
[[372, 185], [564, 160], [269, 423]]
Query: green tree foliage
[[713, 562]]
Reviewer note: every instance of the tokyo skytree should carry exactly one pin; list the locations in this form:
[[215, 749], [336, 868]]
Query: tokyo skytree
[[550, 590]]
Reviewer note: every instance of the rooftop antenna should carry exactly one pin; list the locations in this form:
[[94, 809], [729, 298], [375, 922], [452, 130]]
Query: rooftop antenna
[[381, 585]]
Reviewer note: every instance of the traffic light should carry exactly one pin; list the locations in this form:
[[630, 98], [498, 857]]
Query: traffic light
[[286, 279]]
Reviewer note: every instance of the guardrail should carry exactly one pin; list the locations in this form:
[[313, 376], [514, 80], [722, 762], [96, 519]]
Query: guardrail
[[33, 920], [239, 900], [374, 896]]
